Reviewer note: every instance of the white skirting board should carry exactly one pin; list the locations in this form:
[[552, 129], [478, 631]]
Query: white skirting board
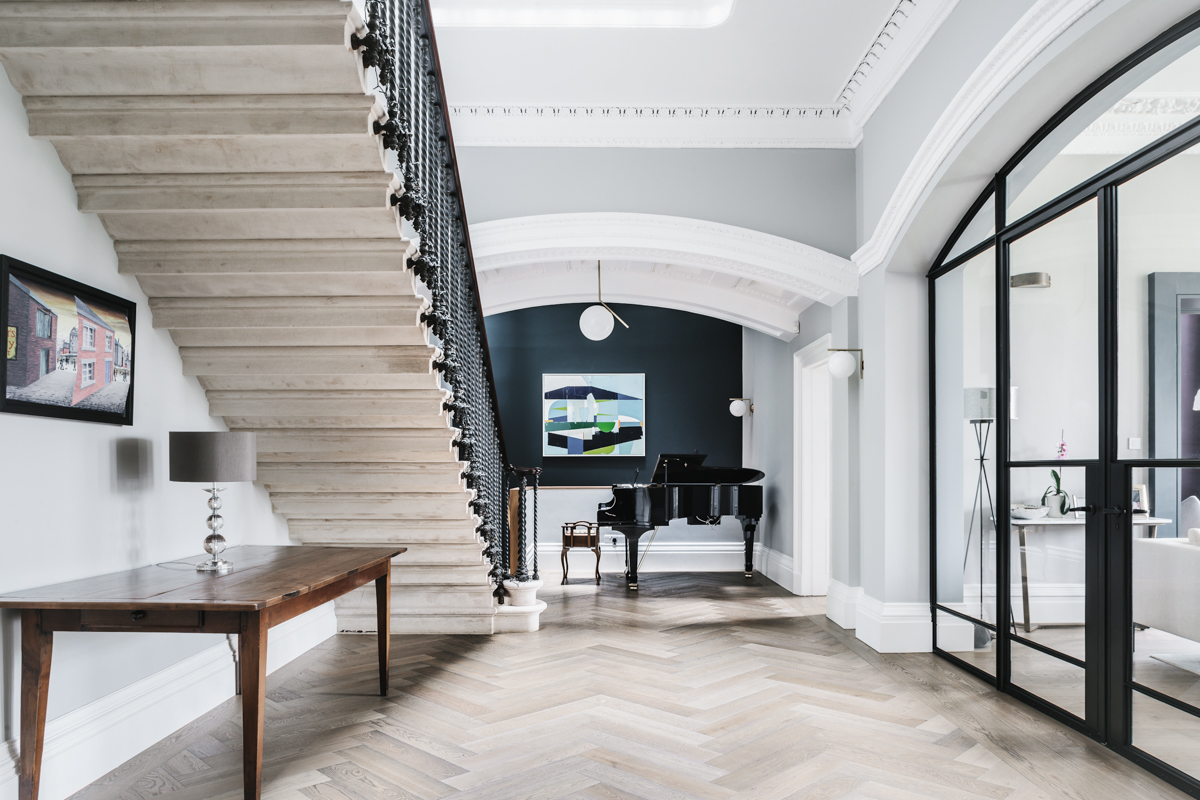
[[841, 604], [669, 557], [663, 557], [84, 744], [894, 627], [776, 566]]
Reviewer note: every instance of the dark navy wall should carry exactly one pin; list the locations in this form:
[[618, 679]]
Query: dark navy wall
[[693, 365]]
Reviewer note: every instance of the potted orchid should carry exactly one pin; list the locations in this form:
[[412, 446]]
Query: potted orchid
[[1059, 501]]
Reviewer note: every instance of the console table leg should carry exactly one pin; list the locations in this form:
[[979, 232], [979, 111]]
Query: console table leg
[[36, 646], [1022, 543], [254, 700], [383, 619]]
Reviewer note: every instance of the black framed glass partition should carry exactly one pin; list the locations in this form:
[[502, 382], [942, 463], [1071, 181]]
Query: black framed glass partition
[[1065, 417]]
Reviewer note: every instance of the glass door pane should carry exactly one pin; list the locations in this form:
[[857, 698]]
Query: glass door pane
[[1054, 340], [1054, 430], [965, 403], [1158, 351], [1048, 569]]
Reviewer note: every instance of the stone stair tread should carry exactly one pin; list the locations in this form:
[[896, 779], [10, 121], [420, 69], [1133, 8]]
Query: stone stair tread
[[228, 148]]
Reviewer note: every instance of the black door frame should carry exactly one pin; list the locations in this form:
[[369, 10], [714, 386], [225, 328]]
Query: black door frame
[[1109, 658]]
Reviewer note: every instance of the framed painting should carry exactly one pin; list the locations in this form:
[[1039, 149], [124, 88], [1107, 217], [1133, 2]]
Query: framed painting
[[594, 415], [69, 348]]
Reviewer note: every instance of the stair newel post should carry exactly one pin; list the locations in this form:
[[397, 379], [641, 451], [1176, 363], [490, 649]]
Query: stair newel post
[[522, 566], [501, 568], [536, 474]]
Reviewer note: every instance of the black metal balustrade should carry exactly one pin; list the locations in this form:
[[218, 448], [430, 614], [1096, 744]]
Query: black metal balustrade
[[401, 47]]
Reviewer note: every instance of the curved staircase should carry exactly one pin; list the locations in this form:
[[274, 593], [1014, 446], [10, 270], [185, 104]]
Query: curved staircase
[[227, 147]]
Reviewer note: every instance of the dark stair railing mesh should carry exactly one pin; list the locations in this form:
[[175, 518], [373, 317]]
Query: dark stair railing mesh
[[400, 46]]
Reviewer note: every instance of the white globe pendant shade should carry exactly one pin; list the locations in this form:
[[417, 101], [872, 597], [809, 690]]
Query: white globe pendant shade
[[842, 365], [737, 408], [596, 322]]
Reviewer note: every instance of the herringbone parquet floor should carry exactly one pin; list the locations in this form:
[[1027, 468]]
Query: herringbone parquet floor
[[698, 686]]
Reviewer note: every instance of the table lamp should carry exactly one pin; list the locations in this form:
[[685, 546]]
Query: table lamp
[[205, 457]]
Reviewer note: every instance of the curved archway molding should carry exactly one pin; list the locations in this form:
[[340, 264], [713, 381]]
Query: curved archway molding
[[1041, 26], [639, 283], [727, 250]]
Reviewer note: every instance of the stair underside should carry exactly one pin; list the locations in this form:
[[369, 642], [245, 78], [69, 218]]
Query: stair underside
[[227, 148]]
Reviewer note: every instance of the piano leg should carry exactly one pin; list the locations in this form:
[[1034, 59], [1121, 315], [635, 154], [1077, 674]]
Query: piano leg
[[631, 559], [748, 528]]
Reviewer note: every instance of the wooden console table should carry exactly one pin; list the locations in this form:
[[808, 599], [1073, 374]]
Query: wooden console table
[[268, 585]]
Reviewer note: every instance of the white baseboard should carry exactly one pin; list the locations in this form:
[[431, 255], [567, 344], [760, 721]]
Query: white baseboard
[[894, 627], [776, 566], [1049, 603], [841, 604], [84, 744], [662, 557]]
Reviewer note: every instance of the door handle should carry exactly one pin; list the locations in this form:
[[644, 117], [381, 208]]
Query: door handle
[[1086, 509], [1114, 512]]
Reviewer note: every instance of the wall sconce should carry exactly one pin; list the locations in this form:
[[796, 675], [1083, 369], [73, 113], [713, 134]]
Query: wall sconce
[[842, 364], [739, 405]]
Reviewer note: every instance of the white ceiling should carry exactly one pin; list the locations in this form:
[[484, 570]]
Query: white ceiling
[[567, 13], [792, 73]]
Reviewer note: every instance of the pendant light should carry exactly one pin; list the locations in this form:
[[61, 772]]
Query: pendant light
[[596, 322]]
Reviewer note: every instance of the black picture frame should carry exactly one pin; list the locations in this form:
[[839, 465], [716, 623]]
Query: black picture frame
[[113, 364]]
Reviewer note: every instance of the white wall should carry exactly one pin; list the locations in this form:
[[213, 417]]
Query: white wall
[[678, 547], [82, 499]]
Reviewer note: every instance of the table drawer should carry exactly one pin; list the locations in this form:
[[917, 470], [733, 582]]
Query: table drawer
[[148, 618]]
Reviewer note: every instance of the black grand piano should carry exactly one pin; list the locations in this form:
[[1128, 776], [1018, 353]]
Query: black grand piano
[[683, 487]]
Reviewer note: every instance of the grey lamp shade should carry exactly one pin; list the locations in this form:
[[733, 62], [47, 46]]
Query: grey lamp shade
[[207, 457], [980, 403]]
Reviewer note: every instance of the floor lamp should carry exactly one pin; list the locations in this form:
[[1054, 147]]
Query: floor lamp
[[980, 407]]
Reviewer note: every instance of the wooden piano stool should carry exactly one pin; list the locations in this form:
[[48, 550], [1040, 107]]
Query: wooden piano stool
[[580, 534]]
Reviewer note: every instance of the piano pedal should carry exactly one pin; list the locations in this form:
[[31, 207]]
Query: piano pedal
[[633, 587], [748, 574]]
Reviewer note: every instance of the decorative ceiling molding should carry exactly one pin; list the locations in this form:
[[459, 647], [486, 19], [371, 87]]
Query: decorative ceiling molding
[[651, 126], [659, 285], [908, 28], [713, 246], [1037, 30], [866, 65], [649, 112]]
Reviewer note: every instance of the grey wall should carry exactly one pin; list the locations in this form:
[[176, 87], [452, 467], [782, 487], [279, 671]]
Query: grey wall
[[804, 195], [767, 378], [844, 547], [898, 127]]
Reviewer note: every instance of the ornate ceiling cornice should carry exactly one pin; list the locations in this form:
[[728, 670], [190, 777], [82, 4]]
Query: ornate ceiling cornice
[[885, 38], [909, 25], [696, 113], [497, 125]]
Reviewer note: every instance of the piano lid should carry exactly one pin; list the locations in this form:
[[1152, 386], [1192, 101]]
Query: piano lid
[[677, 468]]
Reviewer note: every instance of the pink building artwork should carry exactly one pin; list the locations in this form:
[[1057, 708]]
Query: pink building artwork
[[94, 365]]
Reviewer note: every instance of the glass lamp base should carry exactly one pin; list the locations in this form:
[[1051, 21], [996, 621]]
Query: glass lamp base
[[217, 565]]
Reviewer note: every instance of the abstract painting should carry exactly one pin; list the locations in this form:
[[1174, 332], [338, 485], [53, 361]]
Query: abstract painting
[[68, 347], [594, 415]]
